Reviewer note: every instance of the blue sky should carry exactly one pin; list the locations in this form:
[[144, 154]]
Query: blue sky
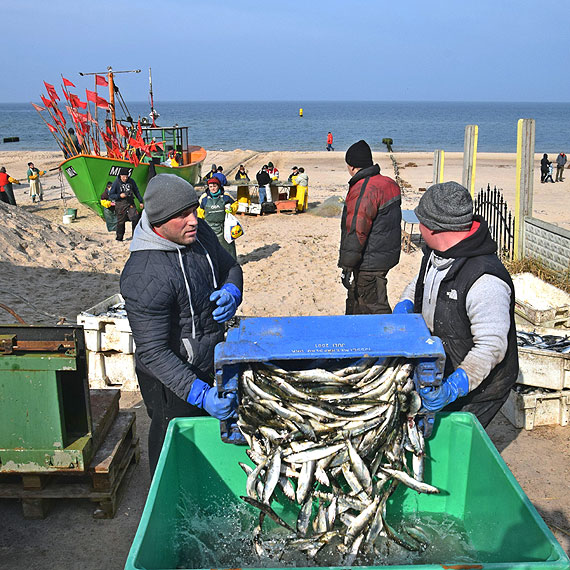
[[442, 50]]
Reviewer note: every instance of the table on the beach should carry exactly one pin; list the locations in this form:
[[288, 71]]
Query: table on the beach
[[280, 191], [408, 217]]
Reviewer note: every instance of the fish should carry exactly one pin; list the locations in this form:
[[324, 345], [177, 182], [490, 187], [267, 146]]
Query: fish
[[333, 439]]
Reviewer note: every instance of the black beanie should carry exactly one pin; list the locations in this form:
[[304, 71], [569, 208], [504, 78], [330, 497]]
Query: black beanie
[[124, 171], [359, 155], [446, 207], [167, 195]]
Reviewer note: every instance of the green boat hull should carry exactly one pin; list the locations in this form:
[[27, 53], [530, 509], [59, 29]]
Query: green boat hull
[[88, 176]]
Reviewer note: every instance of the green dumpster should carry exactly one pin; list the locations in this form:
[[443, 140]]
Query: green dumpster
[[194, 518]]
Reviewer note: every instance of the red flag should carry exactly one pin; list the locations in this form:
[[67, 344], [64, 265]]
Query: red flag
[[46, 102], [100, 80], [66, 82], [91, 96], [135, 143], [139, 131], [76, 102], [60, 115], [101, 103], [122, 130], [38, 108], [51, 91], [52, 128]]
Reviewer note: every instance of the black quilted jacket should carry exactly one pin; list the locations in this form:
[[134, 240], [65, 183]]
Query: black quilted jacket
[[169, 310]]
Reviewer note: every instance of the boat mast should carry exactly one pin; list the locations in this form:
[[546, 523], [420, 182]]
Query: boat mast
[[112, 99], [153, 113]]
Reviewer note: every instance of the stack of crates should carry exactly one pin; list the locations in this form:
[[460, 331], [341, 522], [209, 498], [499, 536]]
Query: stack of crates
[[542, 393], [110, 347]]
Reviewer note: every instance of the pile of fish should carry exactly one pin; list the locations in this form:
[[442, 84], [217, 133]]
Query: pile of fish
[[331, 444], [543, 342], [114, 311]]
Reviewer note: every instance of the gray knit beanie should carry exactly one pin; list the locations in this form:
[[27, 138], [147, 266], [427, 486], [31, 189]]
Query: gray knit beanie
[[446, 207], [167, 195]]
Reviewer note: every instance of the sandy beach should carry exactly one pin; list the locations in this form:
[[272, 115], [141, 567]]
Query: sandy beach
[[49, 270]]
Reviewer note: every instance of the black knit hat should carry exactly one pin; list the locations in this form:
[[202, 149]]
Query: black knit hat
[[359, 155], [124, 171], [446, 207], [166, 196]]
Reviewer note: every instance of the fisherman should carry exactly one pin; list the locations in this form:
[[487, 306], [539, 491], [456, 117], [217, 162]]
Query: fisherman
[[6, 189], [72, 146], [36, 190], [221, 176], [214, 204], [467, 299], [123, 193], [263, 180], [241, 174], [272, 171], [213, 171], [179, 286], [370, 233], [294, 172]]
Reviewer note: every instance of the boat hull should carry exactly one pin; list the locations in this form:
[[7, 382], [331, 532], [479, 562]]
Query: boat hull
[[88, 175]]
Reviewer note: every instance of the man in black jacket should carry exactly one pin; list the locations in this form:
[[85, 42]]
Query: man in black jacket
[[179, 286], [370, 233], [467, 299], [263, 181], [123, 193]]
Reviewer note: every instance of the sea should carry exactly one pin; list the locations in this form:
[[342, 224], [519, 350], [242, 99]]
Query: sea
[[277, 125]]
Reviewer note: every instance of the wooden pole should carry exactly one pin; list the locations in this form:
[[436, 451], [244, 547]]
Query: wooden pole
[[525, 180], [438, 160], [470, 157], [112, 100]]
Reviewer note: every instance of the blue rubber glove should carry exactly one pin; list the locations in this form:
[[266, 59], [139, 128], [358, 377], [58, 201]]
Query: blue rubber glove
[[227, 300], [206, 397], [404, 307], [452, 387], [232, 434]]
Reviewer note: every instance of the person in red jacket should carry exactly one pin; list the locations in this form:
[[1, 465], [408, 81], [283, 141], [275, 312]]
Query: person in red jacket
[[6, 190], [330, 141], [370, 233]]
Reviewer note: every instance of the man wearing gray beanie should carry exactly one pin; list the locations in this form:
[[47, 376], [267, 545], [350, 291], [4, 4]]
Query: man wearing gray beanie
[[370, 233], [467, 299], [179, 287]]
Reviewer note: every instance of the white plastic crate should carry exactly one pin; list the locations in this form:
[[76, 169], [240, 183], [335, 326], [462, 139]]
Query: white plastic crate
[[541, 303], [243, 207], [103, 333], [111, 370], [544, 368], [537, 409]]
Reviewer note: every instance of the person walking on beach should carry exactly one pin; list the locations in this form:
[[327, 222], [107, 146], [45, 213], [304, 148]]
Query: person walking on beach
[[544, 164], [370, 233], [123, 193], [212, 208], [330, 141], [179, 287], [36, 190], [560, 163], [6, 190], [467, 299]]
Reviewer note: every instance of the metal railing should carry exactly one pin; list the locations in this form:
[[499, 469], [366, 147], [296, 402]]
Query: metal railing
[[491, 205]]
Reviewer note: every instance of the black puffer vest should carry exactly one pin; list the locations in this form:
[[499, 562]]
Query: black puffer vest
[[473, 257]]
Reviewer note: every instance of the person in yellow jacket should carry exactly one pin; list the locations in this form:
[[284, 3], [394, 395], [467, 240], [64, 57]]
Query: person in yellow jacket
[[36, 190], [302, 194]]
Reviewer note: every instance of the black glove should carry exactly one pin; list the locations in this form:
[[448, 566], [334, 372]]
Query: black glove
[[347, 278]]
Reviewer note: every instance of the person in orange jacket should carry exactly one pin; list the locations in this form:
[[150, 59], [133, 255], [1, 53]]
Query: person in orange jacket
[[330, 141]]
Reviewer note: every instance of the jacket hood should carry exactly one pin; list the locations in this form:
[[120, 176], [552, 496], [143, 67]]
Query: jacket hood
[[145, 238], [479, 243], [364, 173]]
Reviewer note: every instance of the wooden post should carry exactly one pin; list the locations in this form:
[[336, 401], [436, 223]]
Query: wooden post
[[525, 174], [470, 157], [438, 160]]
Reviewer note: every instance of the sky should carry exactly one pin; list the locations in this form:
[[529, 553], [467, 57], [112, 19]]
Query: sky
[[244, 50]]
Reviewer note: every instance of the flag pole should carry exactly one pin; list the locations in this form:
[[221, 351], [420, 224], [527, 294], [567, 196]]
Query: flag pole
[[77, 150], [48, 126]]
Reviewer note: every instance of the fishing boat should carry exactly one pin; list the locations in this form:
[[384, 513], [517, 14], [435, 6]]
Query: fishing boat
[[98, 154]]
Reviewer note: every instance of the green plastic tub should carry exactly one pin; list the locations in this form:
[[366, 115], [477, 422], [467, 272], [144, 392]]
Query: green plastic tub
[[194, 518]]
